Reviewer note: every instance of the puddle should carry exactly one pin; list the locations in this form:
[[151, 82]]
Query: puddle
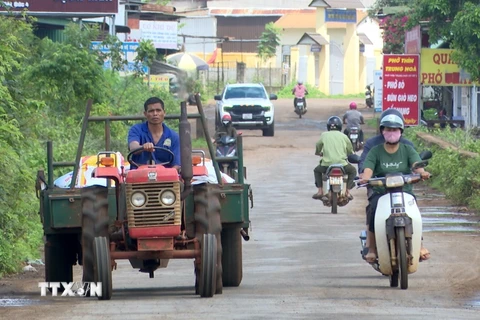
[[18, 302]]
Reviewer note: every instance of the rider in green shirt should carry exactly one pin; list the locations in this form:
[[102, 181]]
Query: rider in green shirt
[[391, 156], [335, 148]]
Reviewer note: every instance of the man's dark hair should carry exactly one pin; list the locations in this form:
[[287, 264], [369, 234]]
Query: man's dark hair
[[153, 100]]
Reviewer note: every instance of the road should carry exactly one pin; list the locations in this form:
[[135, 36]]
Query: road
[[301, 261]]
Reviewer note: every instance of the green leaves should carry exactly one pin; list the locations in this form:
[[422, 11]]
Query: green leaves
[[269, 41], [44, 87], [461, 172]]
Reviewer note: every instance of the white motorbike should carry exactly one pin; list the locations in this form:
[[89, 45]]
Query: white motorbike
[[398, 225]]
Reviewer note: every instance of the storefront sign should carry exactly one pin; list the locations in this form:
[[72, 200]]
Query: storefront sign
[[341, 15], [377, 90], [159, 81], [438, 69], [413, 41], [162, 33], [62, 6], [401, 85]]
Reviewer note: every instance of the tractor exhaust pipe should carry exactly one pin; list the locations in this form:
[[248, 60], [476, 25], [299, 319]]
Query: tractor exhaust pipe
[[244, 234], [185, 134]]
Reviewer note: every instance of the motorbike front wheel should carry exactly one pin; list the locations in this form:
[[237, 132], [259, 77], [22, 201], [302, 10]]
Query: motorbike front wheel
[[402, 257]]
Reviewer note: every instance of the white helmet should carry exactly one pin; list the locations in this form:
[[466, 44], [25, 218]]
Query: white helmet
[[300, 82]]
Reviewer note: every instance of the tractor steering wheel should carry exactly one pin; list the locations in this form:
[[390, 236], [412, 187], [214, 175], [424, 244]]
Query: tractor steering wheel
[[170, 161]]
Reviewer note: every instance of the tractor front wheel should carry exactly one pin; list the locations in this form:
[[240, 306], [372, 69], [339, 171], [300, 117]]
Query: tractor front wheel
[[208, 271], [208, 222], [103, 267]]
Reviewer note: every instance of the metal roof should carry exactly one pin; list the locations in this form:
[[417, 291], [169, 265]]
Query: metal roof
[[298, 20], [364, 38], [312, 38], [348, 4], [256, 12]]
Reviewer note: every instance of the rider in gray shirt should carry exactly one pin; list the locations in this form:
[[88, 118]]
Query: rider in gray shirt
[[353, 118]]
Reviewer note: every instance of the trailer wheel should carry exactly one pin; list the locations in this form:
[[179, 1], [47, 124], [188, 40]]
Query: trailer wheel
[[94, 224], [103, 266], [58, 259], [208, 221], [232, 257]]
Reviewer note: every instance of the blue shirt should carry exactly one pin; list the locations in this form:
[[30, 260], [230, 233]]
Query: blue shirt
[[375, 141], [169, 140]]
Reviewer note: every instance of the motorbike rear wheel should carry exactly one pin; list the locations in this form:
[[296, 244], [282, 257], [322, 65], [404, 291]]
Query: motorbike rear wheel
[[334, 202]]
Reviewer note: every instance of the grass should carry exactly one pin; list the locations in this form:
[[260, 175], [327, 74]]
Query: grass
[[372, 123]]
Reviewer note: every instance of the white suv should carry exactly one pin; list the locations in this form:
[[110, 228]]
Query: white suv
[[249, 105]]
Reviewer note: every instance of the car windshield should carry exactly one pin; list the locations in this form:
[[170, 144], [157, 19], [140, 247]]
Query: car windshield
[[245, 92]]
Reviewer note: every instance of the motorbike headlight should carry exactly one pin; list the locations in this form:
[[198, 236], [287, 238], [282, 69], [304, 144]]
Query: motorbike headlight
[[394, 181], [168, 197], [138, 199]]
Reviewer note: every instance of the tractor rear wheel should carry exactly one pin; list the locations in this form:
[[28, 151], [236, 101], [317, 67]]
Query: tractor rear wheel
[[208, 221], [58, 259], [232, 257], [94, 224]]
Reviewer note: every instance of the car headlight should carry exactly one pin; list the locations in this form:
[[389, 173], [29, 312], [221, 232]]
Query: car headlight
[[267, 108], [394, 181], [138, 199], [227, 108], [168, 197]]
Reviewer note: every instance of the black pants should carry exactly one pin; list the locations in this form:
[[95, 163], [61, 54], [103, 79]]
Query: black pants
[[360, 134], [372, 207]]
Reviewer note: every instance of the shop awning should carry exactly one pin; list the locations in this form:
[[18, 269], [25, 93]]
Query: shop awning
[[364, 39], [312, 38]]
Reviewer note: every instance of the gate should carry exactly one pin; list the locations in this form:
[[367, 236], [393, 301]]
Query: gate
[[336, 68]]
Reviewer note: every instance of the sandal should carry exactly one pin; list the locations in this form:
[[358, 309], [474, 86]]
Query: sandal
[[371, 257], [317, 196], [350, 197], [424, 254]]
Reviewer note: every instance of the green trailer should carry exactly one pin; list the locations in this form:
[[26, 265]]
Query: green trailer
[[96, 225]]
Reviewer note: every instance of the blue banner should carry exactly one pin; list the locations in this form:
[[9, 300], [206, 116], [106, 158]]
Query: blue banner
[[129, 52], [341, 15]]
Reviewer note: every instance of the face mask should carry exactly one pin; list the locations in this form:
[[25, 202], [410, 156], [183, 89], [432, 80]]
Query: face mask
[[392, 137], [225, 122]]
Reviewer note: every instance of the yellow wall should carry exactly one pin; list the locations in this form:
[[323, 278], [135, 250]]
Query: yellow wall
[[231, 58], [362, 76], [351, 61], [321, 28]]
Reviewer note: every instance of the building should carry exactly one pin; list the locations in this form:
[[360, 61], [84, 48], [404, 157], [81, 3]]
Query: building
[[334, 46]]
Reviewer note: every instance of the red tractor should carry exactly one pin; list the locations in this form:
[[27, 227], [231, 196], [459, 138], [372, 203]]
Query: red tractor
[[148, 216]]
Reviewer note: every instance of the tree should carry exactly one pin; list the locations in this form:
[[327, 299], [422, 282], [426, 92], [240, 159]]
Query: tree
[[269, 41], [456, 22]]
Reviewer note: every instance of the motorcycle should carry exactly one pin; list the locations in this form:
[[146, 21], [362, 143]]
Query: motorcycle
[[353, 134], [335, 187], [398, 225], [226, 147], [300, 106], [368, 97]]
